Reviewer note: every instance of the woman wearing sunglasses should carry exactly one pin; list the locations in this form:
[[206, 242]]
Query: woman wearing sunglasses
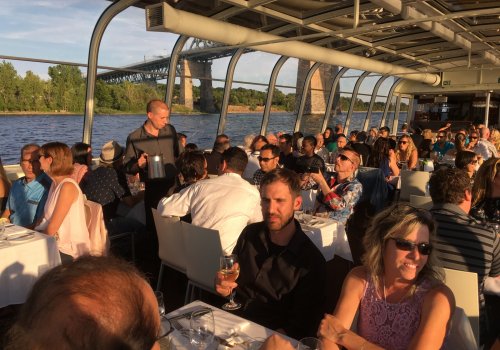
[[407, 152], [467, 160], [398, 292]]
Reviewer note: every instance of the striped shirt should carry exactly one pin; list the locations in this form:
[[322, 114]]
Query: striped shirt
[[465, 244]]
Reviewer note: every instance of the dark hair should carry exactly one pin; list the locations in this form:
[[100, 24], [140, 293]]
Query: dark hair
[[257, 139], [449, 186], [361, 136], [484, 180], [460, 141], [191, 165], [181, 135], [221, 143], [287, 176], [379, 152], [236, 159], [274, 149], [190, 147], [463, 158], [80, 152], [93, 303], [329, 136], [287, 137], [311, 139]]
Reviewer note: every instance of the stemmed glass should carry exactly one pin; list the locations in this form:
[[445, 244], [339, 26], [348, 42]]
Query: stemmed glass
[[161, 303], [202, 328], [229, 271]]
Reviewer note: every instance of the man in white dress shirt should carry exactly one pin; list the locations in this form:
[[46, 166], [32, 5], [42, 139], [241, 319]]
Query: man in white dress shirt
[[227, 203]]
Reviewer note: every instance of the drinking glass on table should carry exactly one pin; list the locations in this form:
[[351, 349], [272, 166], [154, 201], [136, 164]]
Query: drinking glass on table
[[202, 328], [3, 235], [161, 303], [309, 343], [229, 271]]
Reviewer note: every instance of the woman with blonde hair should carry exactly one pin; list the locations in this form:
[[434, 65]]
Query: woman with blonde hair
[[4, 187], [407, 152], [495, 139], [402, 301], [64, 212]]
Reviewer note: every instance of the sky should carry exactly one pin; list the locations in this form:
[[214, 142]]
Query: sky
[[61, 30]]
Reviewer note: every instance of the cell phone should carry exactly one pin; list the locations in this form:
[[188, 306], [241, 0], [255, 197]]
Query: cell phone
[[313, 169]]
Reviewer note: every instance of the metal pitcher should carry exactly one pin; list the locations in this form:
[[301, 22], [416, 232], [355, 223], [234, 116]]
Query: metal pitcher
[[156, 168]]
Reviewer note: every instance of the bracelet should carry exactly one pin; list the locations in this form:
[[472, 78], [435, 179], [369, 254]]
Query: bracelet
[[363, 345]]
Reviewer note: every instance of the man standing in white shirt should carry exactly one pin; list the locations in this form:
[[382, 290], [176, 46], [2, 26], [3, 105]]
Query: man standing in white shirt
[[227, 203], [484, 147]]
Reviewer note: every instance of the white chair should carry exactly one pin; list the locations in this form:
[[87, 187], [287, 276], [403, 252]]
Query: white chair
[[424, 202], [203, 252], [413, 182], [464, 286], [171, 248]]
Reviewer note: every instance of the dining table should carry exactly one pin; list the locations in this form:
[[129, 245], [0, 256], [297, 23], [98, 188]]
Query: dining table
[[328, 235], [24, 257], [231, 331]]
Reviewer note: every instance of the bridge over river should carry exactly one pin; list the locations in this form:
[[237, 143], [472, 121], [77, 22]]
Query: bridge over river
[[196, 63]]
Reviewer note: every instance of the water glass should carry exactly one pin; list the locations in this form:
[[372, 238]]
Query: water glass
[[3, 235], [309, 343], [161, 303], [202, 328]]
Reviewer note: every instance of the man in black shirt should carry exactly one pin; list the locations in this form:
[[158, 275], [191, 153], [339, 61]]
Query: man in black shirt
[[282, 274]]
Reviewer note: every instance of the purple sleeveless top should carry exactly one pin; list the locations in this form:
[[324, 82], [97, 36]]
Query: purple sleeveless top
[[390, 326]]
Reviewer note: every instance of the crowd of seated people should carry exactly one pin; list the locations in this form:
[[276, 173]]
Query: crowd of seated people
[[400, 269]]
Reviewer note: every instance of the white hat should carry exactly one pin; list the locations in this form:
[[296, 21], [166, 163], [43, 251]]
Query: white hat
[[111, 152]]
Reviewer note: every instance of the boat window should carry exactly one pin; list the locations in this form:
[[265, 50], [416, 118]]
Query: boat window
[[344, 92]]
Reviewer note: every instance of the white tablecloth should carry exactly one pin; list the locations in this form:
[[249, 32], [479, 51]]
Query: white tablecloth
[[22, 262], [225, 324], [329, 236]]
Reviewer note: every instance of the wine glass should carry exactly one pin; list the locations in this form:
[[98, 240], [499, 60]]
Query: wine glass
[[229, 271], [202, 328], [161, 303], [309, 343]]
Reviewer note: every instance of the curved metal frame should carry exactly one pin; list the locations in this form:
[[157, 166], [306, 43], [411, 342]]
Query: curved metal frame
[[270, 93], [368, 117], [172, 73], [95, 42], [388, 103], [307, 82], [331, 98], [227, 90], [353, 99]]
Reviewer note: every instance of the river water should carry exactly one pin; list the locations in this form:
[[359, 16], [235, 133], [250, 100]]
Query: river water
[[16, 131]]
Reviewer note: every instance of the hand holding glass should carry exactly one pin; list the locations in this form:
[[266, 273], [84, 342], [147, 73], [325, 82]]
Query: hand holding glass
[[229, 271], [161, 303]]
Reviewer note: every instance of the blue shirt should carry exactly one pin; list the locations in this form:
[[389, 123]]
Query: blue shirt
[[446, 147], [27, 199]]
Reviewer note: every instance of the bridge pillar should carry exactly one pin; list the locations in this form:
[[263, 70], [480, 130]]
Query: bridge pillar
[[319, 89], [202, 70]]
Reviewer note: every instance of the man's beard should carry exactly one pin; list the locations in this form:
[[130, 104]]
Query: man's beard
[[287, 222]]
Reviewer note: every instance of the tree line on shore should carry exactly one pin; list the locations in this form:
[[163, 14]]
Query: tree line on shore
[[65, 92]]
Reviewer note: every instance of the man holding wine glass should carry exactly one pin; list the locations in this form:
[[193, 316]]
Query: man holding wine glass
[[282, 274]]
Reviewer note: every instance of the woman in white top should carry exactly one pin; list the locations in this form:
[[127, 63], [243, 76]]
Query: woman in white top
[[64, 212]]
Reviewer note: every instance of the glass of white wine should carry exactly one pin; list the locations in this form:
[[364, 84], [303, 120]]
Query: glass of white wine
[[229, 271]]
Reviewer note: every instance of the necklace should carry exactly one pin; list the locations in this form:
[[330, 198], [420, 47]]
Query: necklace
[[385, 298]]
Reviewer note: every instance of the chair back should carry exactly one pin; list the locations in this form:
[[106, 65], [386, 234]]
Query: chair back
[[424, 202], [98, 234], [413, 182], [203, 252], [171, 247], [461, 336], [464, 286]]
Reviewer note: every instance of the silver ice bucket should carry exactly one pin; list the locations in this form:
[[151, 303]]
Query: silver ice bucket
[[156, 168]]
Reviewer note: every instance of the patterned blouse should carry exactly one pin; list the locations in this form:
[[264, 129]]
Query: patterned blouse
[[341, 201]]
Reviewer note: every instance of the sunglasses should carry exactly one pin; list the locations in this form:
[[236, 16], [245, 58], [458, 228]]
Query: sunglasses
[[473, 137], [407, 246], [474, 161], [403, 142], [440, 136], [344, 158], [263, 159]]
